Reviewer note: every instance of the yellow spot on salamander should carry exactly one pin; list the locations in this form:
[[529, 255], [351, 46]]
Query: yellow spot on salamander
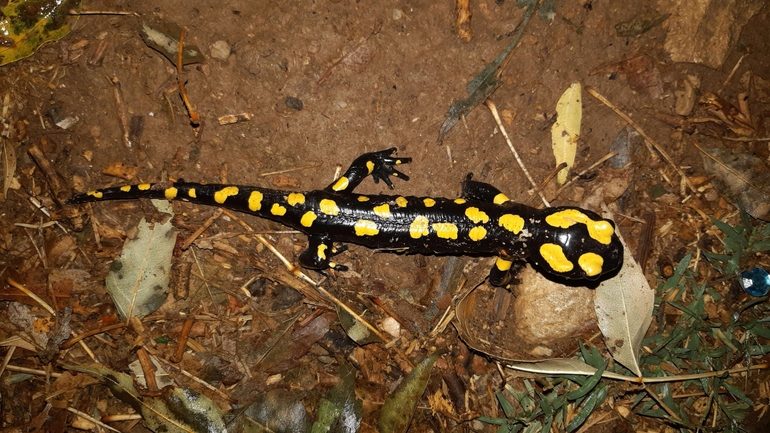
[[429, 202], [370, 166], [144, 186], [329, 207], [500, 199], [382, 211], [366, 228], [228, 191], [419, 227], [95, 194], [125, 188], [171, 193], [601, 230], [554, 256], [591, 264], [512, 223], [477, 216], [477, 233], [278, 210], [322, 251], [363, 198], [445, 230], [255, 201], [308, 218], [192, 193], [296, 198], [341, 184], [503, 264], [401, 201], [460, 200]]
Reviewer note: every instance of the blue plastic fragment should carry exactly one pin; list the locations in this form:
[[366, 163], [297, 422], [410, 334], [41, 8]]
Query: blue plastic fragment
[[755, 282]]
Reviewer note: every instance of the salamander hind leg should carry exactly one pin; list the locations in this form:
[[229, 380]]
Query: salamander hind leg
[[482, 191], [377, 164], [318, 254]]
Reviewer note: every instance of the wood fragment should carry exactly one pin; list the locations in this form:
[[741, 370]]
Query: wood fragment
[[463, 19], [184, 334], [122, 114], [229, 119], [57, 185], [194, 119]]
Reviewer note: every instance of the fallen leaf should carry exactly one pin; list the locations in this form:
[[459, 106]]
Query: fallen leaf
[[565, 132], [25, 25]]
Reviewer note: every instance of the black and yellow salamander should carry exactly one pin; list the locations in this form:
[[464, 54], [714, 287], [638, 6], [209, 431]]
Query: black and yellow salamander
[[565, 242]]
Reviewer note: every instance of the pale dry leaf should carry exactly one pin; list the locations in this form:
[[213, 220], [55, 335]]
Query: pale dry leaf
[[624, 307], [9, 166], [565, 132]]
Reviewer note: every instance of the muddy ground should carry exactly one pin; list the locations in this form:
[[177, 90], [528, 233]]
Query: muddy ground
[[392, 89]]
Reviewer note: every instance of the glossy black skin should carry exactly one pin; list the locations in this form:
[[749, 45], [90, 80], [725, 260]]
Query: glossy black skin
[[393, 232]]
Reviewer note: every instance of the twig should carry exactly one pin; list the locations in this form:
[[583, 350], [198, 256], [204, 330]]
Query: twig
[[26, 291], [493, 109], [735, 69], [649, 140], [582, 173], [78, 12], [194, 119], [289, 170], [121, 110]]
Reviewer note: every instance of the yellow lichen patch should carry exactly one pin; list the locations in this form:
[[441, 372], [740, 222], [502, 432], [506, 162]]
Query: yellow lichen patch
[[95, 194], [255, 201], [322, 251], [512, 223], [477, 233], [308, 218], [295, 198], [192, 193], [366, 228], [476, 215], [171, 193], [125, 188], [500, 199], [591, 264], [429, 202], [341, 184], [144, 186], [401, 201], [419, 227], [278, 210], [460, 200], [601, 230], [363, 198], [554, 256], [503, 264], [382, 211], [228, 191], [370, 166], [329, 207], [445, 230]]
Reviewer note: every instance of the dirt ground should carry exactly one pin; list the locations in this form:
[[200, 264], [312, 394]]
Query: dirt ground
[[391, 90]]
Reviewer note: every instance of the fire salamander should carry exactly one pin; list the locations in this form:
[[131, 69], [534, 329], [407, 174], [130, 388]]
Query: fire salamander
[[562, 242]]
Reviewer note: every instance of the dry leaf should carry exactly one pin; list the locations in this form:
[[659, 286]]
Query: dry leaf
[[566, 130]]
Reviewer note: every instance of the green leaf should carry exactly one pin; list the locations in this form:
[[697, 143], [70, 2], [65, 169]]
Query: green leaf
[[596, 398], [588, 385], [678, 272], [340, 410], [25, 25], [399, 407]]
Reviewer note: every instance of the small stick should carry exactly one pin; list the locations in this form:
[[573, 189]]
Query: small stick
[[194, 119], [176, 358], [735, 69], [71, 342], [79, 12], [649, 140], [493, 109], [289, 170], [121, 110], [149, 369], [577, 176], [27, 292], [218, 213]]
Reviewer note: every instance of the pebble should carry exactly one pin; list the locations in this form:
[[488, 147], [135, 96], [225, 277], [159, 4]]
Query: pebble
[[220, 50]]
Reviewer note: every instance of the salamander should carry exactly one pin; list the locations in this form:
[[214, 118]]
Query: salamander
[[562, 242]]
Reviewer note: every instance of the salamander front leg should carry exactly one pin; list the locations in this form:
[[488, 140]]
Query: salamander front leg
[[504, 272], [482, 191], [318, 254], [377, 164]]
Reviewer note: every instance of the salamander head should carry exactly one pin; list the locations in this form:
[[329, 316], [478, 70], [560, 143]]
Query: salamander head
[[575, 244]]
